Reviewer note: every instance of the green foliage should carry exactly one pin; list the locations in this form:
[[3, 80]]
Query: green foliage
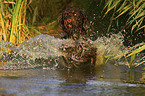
[[134, 8], [13, 21], [135, 11], [132, 54]]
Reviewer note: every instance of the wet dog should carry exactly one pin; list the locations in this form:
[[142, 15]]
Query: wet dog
[[73, 22]]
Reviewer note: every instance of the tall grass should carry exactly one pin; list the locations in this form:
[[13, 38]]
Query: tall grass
[[136, 50], [135, 9], [16, 21], [132, 56], [13, 21]]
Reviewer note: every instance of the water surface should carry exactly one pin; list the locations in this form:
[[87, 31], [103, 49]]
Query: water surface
[[105, 81], [32, 69]]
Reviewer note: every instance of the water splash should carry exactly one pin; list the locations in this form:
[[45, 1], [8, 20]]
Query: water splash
[[43, 47], [43, 50], [110, 46]]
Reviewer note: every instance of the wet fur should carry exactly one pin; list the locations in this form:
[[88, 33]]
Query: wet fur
[[80, 54], [73, 22]]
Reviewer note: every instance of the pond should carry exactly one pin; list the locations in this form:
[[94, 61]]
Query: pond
[[33, 69], [39, 82]]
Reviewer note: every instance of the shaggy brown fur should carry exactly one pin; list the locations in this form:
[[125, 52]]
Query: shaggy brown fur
[[80, 54], [73, 22]]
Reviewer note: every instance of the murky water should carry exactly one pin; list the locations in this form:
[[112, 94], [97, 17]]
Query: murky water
[[104, 81], [33, 69]]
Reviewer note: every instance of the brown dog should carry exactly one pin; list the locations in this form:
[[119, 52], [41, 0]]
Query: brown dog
[[73, 22]]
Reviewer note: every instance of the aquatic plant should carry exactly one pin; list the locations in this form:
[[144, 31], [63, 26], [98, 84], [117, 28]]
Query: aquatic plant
[[133, 56], [135, 9], [13, 21], [136, 49]]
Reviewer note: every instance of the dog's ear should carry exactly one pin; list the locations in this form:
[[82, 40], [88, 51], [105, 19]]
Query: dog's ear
[[84, 19]]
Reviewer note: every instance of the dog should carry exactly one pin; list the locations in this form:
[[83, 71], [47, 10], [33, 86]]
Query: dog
[[73, 22]]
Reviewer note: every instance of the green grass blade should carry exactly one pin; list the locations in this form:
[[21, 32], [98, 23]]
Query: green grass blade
[[110, 23], [38, 32], [14, 20], [2, 21], [108, 3], [137, 51], [134, 12], [131, 60], [122, 6], [140, 63], [140, 21], [139, 2], [140, 28], [139, 15], [8, 7], [1, 11], [112, 4], [125, 9], [133, 27]]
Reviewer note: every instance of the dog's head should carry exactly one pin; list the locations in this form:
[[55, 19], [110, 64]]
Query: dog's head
[[73, 21]]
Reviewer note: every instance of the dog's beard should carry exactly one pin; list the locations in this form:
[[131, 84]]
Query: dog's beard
[[73, 29], [70, 27]]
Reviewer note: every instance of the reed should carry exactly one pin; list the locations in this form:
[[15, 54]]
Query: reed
[[130, 55], [13, 26], [135, 9], [16, 21], [136, 50]]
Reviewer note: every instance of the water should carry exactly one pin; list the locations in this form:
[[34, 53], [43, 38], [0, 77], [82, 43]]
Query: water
[[40, 82], [45, 49], [32, 69]]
